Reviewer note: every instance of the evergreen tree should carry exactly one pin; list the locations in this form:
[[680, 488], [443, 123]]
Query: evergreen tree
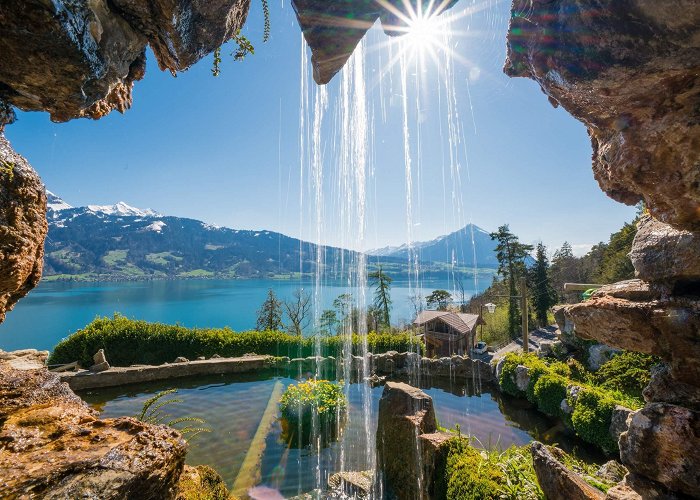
[[543, 296], [270, 313], [438, 299], [511, 256], [382, 297]]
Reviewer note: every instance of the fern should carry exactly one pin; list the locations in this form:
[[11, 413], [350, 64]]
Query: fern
[[151, 413]]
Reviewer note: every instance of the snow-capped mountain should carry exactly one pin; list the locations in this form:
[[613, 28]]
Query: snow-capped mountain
[[53, 202], [121, 209], [464, 247], [123, 242]]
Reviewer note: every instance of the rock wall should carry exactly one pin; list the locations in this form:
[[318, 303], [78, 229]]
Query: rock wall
[[54, 446], [630, 71], [80, 58], [23, 227]]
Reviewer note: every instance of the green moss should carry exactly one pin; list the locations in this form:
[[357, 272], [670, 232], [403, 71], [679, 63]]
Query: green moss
[[549, 392], [592, 417], [472, 473], [628, 372], [204, 483]]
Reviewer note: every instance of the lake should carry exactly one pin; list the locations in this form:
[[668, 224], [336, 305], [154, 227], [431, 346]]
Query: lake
[[53, 310]]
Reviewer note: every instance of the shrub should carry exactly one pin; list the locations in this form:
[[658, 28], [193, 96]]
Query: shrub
[[549, 392], [127, 342], [628, 372], [490, 473], [305, 401], [469, 475], [578, 371], [507, 377], [561, 368], [592, 416]]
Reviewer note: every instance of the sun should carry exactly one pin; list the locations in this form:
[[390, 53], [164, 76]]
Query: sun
[[423, 32]]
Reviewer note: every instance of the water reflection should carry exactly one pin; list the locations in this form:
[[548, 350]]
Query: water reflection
[[233, 406]]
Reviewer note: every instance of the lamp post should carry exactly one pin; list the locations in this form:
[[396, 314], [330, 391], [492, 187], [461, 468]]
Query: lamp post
[[490, 307]]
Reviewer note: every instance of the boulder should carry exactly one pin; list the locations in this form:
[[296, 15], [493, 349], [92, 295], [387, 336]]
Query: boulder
[[201, 482], [352, 484], [54, 446], [631, 315], [522, 377], [24, 359], [634, 487], [663, 254], [405, 413], [629, 72], [556, 480], [100, 362], [181, 359], [612, 471], [599, 354], [23, 223], [619, 422], [672, 435], [664, 388], [434, 450]]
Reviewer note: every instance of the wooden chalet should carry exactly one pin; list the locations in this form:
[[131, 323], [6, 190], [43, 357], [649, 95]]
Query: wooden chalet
[[447, 333]]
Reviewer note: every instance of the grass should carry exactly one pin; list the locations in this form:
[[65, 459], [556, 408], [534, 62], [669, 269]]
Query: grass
[[162, 258], [115, 257]]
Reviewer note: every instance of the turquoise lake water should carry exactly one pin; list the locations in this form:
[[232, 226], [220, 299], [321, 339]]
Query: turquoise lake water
[[54, 310]]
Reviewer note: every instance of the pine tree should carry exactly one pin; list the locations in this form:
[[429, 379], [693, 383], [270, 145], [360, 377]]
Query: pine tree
[[270, 313], [543, 296], [382, 296], [511, 266]]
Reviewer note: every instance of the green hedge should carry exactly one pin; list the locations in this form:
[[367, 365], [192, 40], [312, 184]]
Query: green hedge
[[592, 417], [550, 391], [592, 409], [128, 342]]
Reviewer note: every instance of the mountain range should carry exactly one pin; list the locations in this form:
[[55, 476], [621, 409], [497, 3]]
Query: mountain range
[[121, 242]]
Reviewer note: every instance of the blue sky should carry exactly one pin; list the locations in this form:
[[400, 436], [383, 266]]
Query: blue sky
[[225, 150]]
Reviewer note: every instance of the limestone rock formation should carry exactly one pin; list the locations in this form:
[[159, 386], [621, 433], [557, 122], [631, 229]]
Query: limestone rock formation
[[405, 413], [673, 433], [631, 315], [662, 254], [630, 71], [181, 33], [54, 446], [334, 29], [80, 58], [556, 480], [23, 226]]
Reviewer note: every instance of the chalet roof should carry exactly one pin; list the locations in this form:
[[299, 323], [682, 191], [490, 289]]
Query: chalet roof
[[461, 322]]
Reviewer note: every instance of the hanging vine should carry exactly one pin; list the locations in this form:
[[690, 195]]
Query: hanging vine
[[245, 46]]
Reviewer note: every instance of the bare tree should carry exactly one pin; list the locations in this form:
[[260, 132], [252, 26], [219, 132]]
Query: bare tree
[[298, 308]]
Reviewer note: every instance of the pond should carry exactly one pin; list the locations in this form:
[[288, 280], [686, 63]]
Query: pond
[[233, 406]]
